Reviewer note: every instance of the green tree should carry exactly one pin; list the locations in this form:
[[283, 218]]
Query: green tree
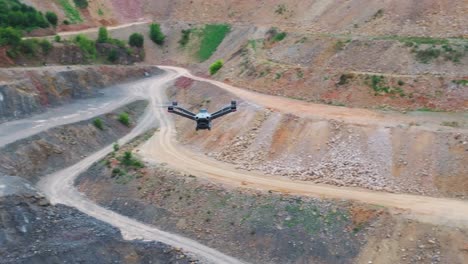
[[46, 46], [87, 46], [156, 35], [216, 66], [10, 36], [136, 40], [98, 123], [103, 35], [124, 118], [52, 18], [113, 55]]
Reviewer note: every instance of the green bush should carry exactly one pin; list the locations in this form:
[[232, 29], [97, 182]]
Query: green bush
[[279, 37], [103, 35], [156, 34], [136, 40], [10, 36], [113, 55], [216, 66], [427, 55], [213, 36], [116, 146], [124, 118], [81, 3], [46, 46], [98, 123], [28, 46], [70, 12], [20, 16], [184, 40], [52, 18], [87, 46], [57, 38]]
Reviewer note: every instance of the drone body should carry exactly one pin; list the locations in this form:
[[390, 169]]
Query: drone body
[[203, 118]]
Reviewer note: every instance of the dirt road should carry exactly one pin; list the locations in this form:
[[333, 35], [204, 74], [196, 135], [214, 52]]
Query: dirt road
[[59, 188], [163, 147]]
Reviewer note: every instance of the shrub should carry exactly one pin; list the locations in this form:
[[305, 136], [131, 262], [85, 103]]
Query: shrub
[[213, 35], [427, 55], [401, 83], [57, 38], [98, 123], [184, 40], [116, 146], [87, 46], [103, 35], [113, 55], [216, 66], [156, 34], [124, 118], [52, 18], [10, 36], [81, 3], [136, 40], [70, 11], [279, 37], [29, 46], [46, 46]]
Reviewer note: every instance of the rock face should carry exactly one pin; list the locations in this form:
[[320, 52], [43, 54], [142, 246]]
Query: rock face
[[33, 231], [27, 91]]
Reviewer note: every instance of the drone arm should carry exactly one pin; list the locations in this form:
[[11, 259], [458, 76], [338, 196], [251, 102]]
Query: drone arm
[[223, 112], [182, 114], [185, 111]]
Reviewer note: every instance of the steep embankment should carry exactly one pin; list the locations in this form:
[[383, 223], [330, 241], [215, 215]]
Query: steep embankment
[[54, 149], [410, 154], [26, 91], [33, 231]]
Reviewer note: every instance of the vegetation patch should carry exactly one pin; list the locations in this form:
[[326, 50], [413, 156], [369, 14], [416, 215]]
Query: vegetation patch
[[20, 16], [344, 78], [274, 35], [216, 66], [381, 87], [124, 118], [81, 3], [87, 45], [461, 82], [156, 35], [70, 11], [212, 36], [185, 38], [136, 40], [281, 9], [98, 123]]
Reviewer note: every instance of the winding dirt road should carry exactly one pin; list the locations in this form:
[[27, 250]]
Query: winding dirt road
[[163, 147]]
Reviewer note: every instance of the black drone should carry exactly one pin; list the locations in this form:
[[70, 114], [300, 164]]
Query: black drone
[[203, 118]]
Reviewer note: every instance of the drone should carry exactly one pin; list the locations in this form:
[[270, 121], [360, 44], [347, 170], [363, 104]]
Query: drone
[[203, 118]]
